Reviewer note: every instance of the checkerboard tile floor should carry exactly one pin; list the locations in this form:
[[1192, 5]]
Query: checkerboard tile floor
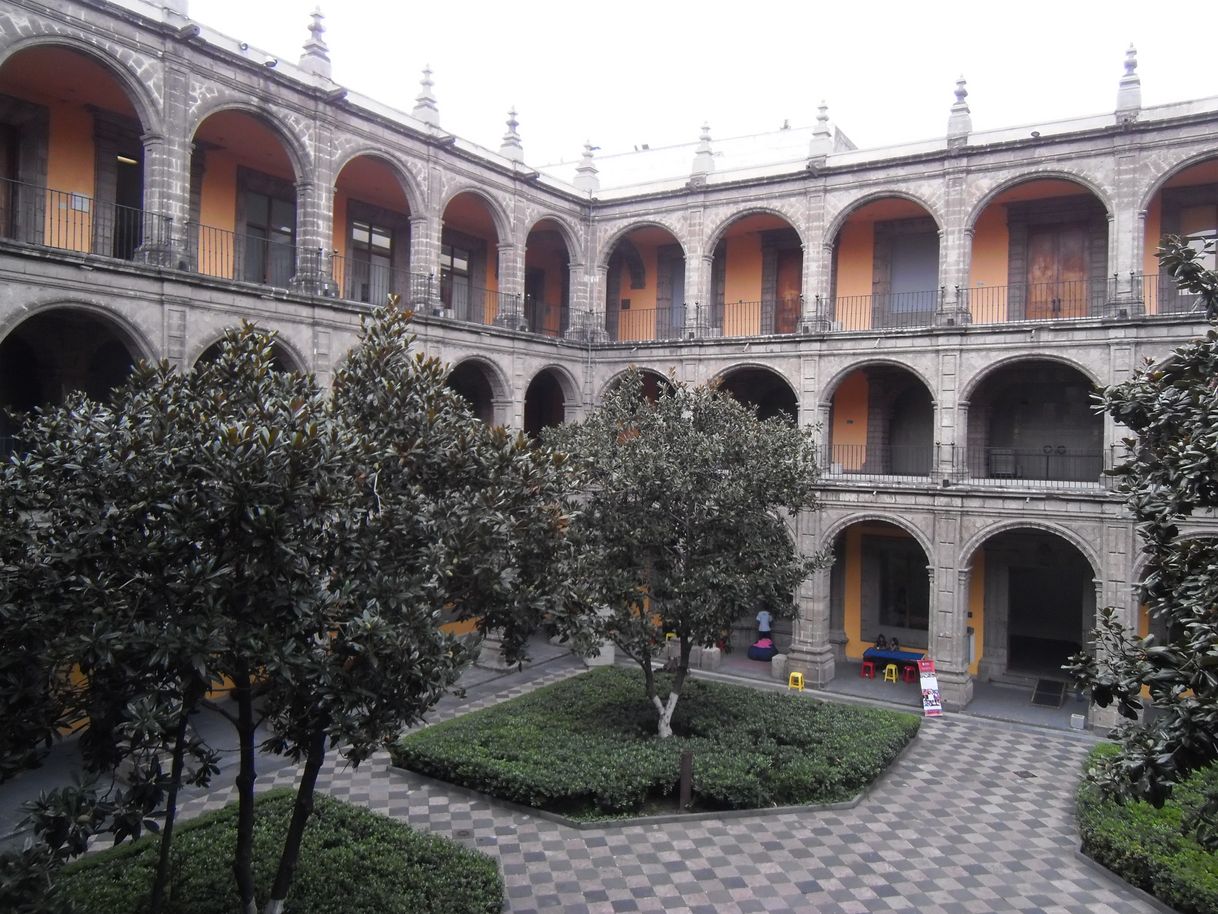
[[974, 818]]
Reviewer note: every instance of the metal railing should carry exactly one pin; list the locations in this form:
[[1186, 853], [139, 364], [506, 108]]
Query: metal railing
[[371, 283], [750, 318], [76, 222], [445, 298], [645, 323], [223, 254], [1044, 465], [1039, 301], [1160, 296], [894, 310], [861, 462]]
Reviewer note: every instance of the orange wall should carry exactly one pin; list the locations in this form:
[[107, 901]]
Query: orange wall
[[338, 237], [70, 170], [742, 285], [218, 210], [548, 256], [852, 598], [1154, 237], [988, 267], [976, 606], [855, 264], [850, 419], [640, 321]]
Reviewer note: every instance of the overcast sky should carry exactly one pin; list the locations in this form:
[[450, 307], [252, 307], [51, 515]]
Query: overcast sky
[[624, 72]]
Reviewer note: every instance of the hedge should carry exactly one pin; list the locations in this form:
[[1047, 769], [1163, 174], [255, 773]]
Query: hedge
[[586, 747], [1146, 846], [351, 860]]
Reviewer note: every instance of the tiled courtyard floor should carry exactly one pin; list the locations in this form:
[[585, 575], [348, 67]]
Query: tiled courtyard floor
[[974, 817]]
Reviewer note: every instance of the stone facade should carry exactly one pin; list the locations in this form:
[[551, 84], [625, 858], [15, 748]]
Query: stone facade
[[175, 77]]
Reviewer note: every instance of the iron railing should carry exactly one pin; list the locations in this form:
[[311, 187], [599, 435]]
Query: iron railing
[[749, 318], [77, 222], [645, 323], [1038, 301], [894, 310], [1047, 464], [1160, 296], [371, 283], [223, 254], [860, 462]]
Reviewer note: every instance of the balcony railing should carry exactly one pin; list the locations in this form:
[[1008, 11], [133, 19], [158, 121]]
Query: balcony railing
[[76, 222], [242, 257], [370, 283], [1039, 301], [894, 310], [860, 462], [640, 324], [1161, 297]]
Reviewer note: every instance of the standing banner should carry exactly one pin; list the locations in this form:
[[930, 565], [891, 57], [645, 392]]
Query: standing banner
[[932, 704]]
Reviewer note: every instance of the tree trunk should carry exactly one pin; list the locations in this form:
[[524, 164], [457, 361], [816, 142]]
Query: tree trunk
[[665, 708], [171, 805], [301, 810], [243, 861]]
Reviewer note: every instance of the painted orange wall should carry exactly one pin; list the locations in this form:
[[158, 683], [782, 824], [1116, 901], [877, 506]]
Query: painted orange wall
[[639, 323], [991, 245], [548, 256], [852, 598], [70, 170], [976, 606], [742, 285], [1153, 238], [855, 270], [850, 419], [218, 211], [339, 236]]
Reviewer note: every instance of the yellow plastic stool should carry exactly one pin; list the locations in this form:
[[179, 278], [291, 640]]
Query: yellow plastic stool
[[890, 673], [796, 681]]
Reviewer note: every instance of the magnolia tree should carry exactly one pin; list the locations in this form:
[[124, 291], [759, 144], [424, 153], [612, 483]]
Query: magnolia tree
[[1170, 477], [683, 524], [237, 525]]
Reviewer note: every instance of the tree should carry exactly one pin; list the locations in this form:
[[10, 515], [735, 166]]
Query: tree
[[681, 527], [1170, 476], [233, 523]]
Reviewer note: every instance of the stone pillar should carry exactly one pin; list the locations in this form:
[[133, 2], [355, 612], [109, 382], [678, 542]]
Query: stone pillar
[[166, 201], [821, 281], [811, 651], [815, 279], [424, 264], [1126, 231], [511, 285], [952, 444], [314, 238], [1105, 719], [587, 320], [949, 636], [699, 313], [955, 251]]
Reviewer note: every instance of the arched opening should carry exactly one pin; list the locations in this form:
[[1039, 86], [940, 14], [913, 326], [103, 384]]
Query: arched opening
[[766, 391], [645, 286], [242, 201], [281, 358], [469, 265], [1038, 597], [1040, 252], [472, 381], [71, 155], [1186, 204], [881, 423], [1033, 420], [654, 384], [879, 584], [544, 403], [56, 353], [756, 278], [371, 232], [886, 267], [547, 280]]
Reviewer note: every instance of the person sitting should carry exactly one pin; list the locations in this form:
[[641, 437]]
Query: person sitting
[[762, 649], [894, 645], [881, 643]]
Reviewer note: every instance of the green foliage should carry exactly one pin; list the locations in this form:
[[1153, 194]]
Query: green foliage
[[683, 524], [1170, 477], [1148, 847], [352, 860], [586, 747]]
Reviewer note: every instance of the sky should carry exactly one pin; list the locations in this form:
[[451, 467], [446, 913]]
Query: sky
[[626, 73]]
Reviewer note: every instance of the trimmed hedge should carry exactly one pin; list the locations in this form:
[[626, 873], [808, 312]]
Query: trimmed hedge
[[351, 860], [586, 747], [1145, 846]]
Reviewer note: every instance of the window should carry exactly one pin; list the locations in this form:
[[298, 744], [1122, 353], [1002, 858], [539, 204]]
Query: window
[[1200, 225], [371, 262], [270, 239], [455, 279]]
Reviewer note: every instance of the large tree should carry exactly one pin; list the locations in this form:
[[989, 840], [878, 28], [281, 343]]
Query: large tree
[[683, 524], [1170, 477], [234, 524]]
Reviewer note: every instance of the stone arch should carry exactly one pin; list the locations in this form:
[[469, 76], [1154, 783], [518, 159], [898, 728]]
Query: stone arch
[[975, 542], [499, 216], [617, 377], [500, 388], [136, 338], [831, 533], [1086, 181], [970, 386], [843, 214], [490, 408], [575, 248], [608, 244], [831, 386], [566, 381], [411, 190], [714, 235], [297, 150], [292, 358], [143, 100], [1183, 164], [722, 378]]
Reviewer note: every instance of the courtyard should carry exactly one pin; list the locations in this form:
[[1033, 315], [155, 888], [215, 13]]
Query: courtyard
[[975, 816]]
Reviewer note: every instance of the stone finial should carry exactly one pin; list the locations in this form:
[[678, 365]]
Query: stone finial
[[704, 159], [425, 108], [960, 122], [822, 134], [316, 56], [1129, 93], [586, 178], [511, 147]]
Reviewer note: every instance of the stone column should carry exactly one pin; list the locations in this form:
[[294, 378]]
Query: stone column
[[815, 280], [820, 284], [955, 252], [511, 285], [314, 238], [949, 637], [811, 651], [587, 321], [1126, 231]]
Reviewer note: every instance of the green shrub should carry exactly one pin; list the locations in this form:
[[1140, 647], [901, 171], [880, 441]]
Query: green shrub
[[1148, 847], [351, 860], [586, 747]]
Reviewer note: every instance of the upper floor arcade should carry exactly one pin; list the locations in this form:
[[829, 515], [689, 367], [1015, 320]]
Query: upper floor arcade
[[147, 140]]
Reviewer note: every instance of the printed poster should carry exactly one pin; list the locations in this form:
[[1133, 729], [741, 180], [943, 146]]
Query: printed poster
[[932, 703]]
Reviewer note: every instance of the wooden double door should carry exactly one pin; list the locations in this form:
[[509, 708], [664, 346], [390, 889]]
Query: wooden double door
[[1058, 271]]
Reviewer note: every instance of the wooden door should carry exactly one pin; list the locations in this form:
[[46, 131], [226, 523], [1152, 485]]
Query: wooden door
[[1058, 271], [790, 269]]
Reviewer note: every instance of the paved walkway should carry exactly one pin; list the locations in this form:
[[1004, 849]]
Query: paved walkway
[[974, 817]]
